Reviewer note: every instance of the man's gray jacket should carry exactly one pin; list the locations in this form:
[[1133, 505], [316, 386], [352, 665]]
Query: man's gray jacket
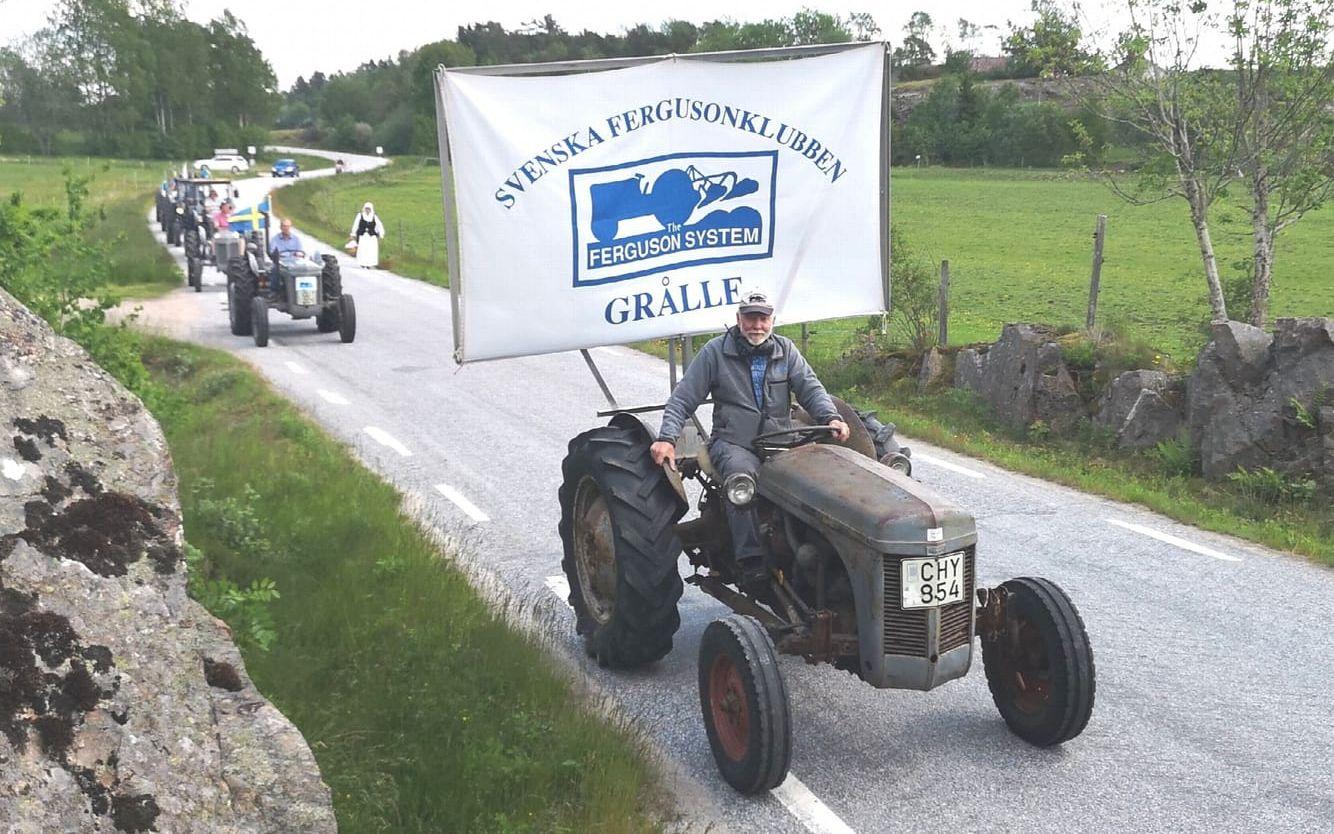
[[722, 368]]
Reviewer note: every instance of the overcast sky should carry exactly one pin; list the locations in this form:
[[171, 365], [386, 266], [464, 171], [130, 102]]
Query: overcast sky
[[302, 36]]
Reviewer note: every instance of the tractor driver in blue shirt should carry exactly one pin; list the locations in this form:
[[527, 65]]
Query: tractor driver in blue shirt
[[751, 374], [285, 244]]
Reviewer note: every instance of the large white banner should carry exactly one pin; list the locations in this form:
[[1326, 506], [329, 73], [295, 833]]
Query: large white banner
[[610, 207]]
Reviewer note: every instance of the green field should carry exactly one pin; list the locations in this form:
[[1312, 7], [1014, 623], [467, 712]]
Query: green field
[[406, 197], [1019, 245], [121, 192], [425, 712]]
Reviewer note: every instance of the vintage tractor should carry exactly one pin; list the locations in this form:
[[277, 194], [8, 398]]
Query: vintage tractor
[[868, 570], [197, 229], [305, 288]]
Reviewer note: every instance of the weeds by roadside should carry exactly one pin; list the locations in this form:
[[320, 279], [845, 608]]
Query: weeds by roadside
[[425, 713]]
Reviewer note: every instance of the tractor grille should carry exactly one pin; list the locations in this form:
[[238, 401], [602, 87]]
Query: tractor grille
[[906, 631]]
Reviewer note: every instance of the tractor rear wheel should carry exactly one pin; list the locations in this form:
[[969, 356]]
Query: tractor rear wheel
[[331, 279], [745, 704], [326, 320], [618, 528], [194, 273], [1039, 663]]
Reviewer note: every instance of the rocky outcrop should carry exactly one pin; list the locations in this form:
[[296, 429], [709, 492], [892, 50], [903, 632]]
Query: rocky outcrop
[[1141, 408], [124, 705], [1257, 400], [934, 371], [1023, 378]]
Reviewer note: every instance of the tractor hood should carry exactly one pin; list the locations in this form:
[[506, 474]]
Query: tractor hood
[[834, 487]]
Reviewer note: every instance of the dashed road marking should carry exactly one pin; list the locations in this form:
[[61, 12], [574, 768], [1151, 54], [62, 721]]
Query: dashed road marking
[[384, 438], [817, 817], [335, 398], [462, 502], [296, 369], [807, 807], [944, 464], [1174, 540]]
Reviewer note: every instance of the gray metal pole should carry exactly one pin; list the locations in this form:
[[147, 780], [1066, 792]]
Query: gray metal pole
[[451, 213], [1099, 235], [687, 353], [671, 364], [943, 337]]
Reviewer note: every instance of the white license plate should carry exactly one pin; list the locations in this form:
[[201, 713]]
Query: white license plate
[[305, 292], [928, 583]]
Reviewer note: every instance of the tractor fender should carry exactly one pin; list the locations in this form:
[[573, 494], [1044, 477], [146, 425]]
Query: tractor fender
[[646, 432]]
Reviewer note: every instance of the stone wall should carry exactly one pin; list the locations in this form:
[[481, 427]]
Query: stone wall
[[124, 705], [1253, 400]]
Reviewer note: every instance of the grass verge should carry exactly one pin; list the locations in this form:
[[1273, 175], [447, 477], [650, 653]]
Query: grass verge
[[407, 199], [425, 713], [120, 194]]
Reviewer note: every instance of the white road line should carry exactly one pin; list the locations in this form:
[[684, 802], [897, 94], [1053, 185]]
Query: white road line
[[560, 586], [816, 816], [944, 464], [296, 369], [807, 807], [1173, 540], [330, 396], [384, 438], [462, 503]]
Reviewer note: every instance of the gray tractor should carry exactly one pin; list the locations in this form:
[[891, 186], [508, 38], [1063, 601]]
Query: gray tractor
[[869, 571], [305, 288], [196, 232]]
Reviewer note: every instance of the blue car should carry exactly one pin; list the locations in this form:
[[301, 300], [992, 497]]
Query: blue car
[[286, 168]]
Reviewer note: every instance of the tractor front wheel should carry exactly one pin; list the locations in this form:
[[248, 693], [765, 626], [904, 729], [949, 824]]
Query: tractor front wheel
[[259, 321], [618, 528], [241, 286], [347, 318], [1038, 661], [745, 704]]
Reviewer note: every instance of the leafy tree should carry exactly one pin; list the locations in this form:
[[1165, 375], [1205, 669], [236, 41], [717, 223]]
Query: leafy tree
[[1283, 72], [1186, 117], [1050, 46], [915, 53]]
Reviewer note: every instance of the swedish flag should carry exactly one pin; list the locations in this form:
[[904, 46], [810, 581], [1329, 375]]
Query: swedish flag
[[250, 219]]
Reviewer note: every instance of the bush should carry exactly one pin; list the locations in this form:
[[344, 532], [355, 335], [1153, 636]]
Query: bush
[[915, 302], [1269, 486]]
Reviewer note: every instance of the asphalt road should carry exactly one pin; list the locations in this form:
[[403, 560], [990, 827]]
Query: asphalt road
[[1215, 668]]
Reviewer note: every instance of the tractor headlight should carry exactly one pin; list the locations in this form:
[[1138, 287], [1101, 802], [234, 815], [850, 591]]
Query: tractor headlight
[[180, 210], [740, 488]]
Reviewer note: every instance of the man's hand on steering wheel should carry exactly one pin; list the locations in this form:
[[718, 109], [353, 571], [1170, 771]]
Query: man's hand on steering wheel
[[843, 432]]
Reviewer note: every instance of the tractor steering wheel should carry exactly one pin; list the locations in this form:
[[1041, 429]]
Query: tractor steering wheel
[[798, 436]]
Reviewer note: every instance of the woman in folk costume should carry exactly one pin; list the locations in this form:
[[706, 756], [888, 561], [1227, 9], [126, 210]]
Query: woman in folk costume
[[367, 232]]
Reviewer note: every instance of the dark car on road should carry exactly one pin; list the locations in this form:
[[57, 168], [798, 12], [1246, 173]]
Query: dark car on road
[[286, 168]]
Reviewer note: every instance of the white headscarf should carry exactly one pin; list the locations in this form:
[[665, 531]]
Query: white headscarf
[[368, 211]]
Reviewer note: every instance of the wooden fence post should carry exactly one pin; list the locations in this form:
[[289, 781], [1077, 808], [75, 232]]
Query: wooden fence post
[[1099, 235], [943, 336], [805, 337]]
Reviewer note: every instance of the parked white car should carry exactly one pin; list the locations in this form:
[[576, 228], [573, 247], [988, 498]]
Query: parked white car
[[231, 163]]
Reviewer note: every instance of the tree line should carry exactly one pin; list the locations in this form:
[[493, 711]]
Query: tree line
[[134, 79]]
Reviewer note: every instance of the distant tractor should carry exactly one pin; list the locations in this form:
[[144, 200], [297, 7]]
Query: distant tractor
[[305, 288]]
